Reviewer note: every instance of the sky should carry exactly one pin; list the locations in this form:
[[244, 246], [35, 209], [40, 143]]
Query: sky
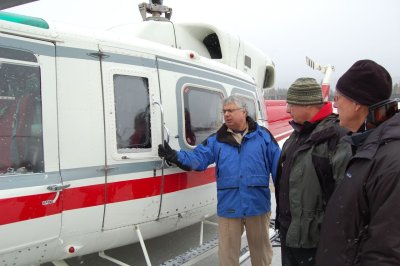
[[335, 32]]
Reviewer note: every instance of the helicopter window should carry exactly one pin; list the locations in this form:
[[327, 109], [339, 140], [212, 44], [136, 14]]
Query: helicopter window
[[21, 137], [17, 54], [201, 120], [132, 113], [251, 106]]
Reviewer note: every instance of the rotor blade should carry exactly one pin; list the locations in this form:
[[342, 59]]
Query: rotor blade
[[11, 3]]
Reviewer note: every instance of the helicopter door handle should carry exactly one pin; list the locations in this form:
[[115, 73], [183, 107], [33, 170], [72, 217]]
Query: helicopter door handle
[[167, 131], [55, 188]]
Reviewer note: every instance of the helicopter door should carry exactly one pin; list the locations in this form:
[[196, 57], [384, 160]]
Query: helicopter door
[[133, 129], [31, 189]]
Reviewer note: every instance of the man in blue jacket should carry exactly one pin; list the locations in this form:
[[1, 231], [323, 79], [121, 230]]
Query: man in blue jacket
[[245, 154]]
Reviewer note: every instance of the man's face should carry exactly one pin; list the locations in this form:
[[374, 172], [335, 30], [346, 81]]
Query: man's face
[[235, 117], [299, 113], [347, 111]]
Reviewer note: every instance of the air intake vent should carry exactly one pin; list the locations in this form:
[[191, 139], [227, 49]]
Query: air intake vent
[[212, 44]]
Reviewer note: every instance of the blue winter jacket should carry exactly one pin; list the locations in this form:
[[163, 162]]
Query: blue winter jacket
[[242, 170]]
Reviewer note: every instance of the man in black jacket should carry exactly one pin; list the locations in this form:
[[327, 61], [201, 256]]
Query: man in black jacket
[[362, 222], [312, 161]]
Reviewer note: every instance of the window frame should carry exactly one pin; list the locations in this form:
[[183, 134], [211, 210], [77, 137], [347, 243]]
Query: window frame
[[182, 115], [127, 153], [36, 65]]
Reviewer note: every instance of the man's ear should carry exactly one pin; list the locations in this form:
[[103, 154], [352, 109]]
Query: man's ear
[[358, 107], [361, 109]]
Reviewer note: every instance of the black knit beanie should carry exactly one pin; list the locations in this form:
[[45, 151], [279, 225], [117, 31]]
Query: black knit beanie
[[304, 91], [366, 83]]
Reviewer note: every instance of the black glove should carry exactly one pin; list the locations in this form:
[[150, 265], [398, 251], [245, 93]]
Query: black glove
[[170, 155]]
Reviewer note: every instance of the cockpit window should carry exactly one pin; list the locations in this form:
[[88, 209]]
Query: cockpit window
[[21, 137], [202, 113], [132, 113]]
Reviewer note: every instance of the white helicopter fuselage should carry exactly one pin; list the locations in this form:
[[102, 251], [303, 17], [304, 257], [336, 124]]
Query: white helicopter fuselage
[[73, 180]]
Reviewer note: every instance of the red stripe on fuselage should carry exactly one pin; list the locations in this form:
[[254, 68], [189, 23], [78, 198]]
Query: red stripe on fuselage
[[30, 207], [83, 197], [27, 207]]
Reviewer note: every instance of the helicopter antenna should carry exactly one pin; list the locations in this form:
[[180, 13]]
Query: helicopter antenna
[[327, 71], [156, 9]]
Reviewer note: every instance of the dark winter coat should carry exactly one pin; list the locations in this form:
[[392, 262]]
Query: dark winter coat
[[362, 222], [312, 162]]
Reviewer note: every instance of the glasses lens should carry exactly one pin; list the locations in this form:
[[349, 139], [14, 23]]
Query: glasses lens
[[229, 111]]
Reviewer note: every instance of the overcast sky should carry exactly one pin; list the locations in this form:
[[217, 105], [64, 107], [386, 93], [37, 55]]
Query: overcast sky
[[336, 32]]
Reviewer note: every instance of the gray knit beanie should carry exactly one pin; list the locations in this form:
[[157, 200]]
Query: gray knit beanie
[[305, 91]]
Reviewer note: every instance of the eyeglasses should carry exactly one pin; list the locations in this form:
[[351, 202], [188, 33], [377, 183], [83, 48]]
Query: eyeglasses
[[337, 96], [229, 111]]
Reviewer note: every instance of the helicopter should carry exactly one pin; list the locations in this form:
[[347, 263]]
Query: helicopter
[[82, 114]]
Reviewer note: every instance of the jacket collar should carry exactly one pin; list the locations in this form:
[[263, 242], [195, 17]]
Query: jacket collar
[[320, 131], [325, 111], [224, 136], [309, 126], [358, 138], [367, 143]]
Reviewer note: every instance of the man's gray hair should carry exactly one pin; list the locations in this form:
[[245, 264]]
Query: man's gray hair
[[238, 101]]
